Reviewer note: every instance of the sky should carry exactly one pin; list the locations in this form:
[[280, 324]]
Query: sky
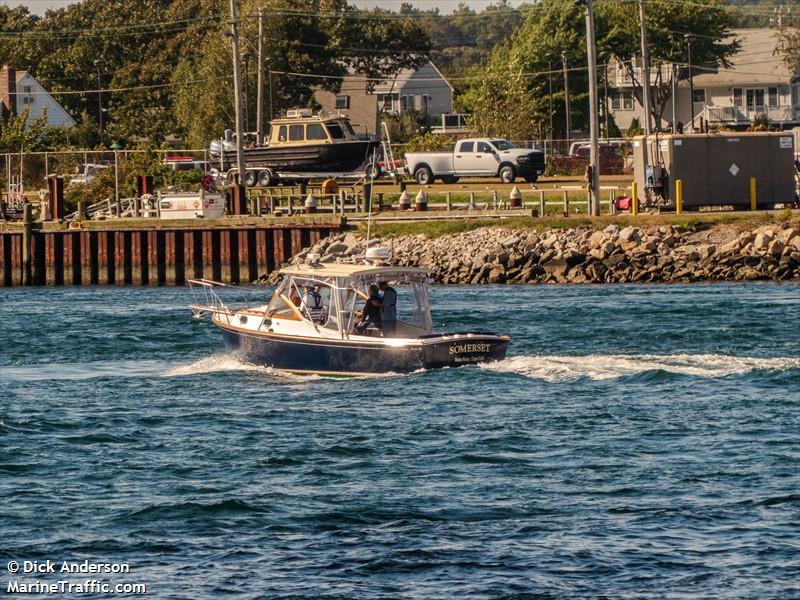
[[40, 6]]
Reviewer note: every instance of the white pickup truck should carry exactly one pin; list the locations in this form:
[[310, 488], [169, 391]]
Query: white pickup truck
[[477, 157]]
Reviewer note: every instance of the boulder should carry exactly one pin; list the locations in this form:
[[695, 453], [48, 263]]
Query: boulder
[[630, 234]]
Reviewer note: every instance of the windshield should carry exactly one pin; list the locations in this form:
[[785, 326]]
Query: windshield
[[503, 145]]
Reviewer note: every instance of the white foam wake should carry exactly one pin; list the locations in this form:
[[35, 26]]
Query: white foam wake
[[218, 363], [608, 366], [78, 371]]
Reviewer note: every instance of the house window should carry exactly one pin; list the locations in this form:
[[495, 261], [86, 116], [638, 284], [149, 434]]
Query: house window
[[342, 101], [737, 97], [699, 96], [773, 97], [615, 101], [406, 103], [26, 89], [627, 100]]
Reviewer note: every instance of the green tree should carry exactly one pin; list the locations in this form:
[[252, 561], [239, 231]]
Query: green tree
[[512, 98], [790, 47], [668, 23]]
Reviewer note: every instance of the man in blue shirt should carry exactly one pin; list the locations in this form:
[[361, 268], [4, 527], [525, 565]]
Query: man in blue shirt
[[388, 309]]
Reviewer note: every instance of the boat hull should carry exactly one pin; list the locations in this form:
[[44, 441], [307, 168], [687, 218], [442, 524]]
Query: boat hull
[[318, 158], [346, 357]]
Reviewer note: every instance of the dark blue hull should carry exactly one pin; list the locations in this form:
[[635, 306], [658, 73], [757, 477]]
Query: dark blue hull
[[344, 357]]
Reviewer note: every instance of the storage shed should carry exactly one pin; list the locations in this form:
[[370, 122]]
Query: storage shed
[[716, 169]]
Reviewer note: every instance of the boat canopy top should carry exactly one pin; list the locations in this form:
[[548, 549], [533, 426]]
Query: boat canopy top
[[360, 271]]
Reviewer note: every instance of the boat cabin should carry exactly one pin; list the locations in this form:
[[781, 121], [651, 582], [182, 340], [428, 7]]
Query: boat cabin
[[343, 291], [301, 127]]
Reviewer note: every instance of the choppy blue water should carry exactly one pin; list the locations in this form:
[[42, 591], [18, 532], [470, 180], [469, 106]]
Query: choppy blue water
[[640, 441]]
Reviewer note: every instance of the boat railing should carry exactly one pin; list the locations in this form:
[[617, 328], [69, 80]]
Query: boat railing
[[207, 300]]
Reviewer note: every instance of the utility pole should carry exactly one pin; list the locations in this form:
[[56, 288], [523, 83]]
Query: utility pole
[[645, 70], [237, 91], [271, 112], [550, 88], [674, 103], [99, 99], [594, 162], [605, 101], [260, 95], [566, 97], [688, 37]]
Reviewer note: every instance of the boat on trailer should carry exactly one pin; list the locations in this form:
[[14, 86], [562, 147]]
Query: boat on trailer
[[286, 335]]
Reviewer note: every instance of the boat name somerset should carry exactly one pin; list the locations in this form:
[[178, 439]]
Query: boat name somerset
[[469, 348]]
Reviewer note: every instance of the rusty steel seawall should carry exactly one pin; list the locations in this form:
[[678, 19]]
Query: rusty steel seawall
[[154, 256]]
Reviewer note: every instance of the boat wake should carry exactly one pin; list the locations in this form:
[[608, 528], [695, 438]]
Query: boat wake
[[219, 363], [609, 366]]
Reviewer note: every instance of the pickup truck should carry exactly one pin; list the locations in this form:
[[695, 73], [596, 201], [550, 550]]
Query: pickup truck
[[480, 157]]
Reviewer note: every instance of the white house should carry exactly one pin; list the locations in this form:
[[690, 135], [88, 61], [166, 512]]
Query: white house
[[758, 82], [19, 90]]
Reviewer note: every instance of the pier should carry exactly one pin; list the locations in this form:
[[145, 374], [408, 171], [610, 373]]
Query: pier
[[138, 252]]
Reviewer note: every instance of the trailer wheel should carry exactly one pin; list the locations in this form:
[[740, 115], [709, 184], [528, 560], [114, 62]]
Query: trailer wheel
[[266, 178], [373, 171], [449, 179], [423, 175], [250, 178], [532, 178]]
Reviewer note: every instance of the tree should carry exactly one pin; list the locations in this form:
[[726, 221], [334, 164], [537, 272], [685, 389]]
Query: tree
[[668, 23], [790, 47], [512, 96]]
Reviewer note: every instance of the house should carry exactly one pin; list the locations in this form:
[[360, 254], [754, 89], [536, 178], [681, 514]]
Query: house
[[424, 90], [757, 83], [19, 90]]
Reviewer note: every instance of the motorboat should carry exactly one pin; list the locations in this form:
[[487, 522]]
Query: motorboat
[[299, 144], [286, 334]]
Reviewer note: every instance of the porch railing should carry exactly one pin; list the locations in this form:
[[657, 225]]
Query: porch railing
[[746, 114]]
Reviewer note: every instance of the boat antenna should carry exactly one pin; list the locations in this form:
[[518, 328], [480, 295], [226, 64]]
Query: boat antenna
[[369, 200]]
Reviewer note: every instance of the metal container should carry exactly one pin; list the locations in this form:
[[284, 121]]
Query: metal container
[[716, 169]]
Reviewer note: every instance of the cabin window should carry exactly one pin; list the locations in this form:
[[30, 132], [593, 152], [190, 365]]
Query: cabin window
[[296, 133], [342, 101], [349, 128], [773, 97], [335, 130], [315, 132], [466, 147], [699, 96], [282, 133]]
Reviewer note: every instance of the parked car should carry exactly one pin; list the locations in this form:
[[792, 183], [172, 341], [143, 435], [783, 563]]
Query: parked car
[[612, 158], [477, 157], [90, 171]]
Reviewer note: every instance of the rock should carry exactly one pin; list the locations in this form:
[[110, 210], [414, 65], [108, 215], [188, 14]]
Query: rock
[[630, 234], [497, 274], [761, 242]]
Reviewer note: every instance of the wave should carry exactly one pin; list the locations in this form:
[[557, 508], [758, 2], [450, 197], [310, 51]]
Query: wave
[[609, 366], [85, 370]]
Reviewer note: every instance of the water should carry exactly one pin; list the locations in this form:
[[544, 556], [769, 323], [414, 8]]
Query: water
[[640, 441]]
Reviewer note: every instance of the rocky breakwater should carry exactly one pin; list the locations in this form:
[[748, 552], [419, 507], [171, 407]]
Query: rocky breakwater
[[584, 255]]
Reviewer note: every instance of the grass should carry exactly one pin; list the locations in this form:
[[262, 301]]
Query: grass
[[434, 229]]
